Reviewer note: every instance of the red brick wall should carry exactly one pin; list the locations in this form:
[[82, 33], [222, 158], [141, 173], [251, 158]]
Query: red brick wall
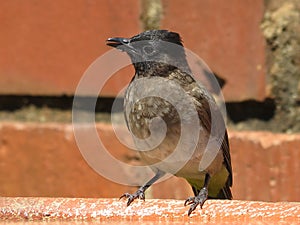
[[45, 47]]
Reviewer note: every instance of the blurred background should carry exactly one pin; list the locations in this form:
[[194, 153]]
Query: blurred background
[[252, 46]]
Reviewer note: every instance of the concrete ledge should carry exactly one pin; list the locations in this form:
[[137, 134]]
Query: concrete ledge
[[106, 209]]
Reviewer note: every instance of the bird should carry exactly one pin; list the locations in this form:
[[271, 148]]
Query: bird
[[163, 84]]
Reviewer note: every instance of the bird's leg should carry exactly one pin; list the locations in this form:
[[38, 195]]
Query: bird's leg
[[200, 198], [140, 193]]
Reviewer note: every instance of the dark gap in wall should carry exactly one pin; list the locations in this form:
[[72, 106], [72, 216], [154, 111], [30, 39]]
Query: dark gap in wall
[[236, 111], [16, 102], [251, 109]]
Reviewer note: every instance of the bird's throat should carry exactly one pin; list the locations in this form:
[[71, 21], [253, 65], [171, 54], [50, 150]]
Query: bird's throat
[[153, 69]]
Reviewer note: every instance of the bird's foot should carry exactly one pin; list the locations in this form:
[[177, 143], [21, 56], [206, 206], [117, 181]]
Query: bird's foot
[[197, 200], [139, 194]]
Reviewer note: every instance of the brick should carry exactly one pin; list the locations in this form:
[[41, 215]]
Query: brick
[[265, 166], [44, 160], [46, 46], [227, 37]]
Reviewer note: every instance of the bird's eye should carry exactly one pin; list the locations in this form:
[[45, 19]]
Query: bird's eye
[[125, 41], [148, 49]]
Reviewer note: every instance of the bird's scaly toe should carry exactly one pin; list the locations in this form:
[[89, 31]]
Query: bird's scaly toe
[[139, 194]]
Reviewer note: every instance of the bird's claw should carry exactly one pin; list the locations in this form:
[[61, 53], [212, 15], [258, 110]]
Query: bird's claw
[[139, 194], [189, 201], [194, 202], [197, 200]]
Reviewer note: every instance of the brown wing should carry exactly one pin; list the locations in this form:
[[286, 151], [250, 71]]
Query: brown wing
[[226, 192], [207, 107]]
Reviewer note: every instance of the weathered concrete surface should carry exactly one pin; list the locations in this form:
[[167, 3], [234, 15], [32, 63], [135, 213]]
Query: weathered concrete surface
[[114, 210]]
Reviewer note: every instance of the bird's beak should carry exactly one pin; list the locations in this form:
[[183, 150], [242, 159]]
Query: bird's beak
[[117, 41]]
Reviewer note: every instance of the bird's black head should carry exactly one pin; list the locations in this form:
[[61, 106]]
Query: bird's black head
[[152, 49]]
